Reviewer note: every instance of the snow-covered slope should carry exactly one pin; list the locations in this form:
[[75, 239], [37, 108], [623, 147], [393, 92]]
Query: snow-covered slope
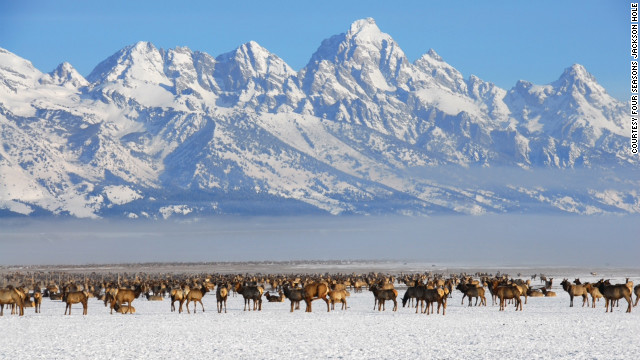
[[155, 133]]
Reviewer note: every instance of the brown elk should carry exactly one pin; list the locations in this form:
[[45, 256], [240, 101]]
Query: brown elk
[[338, 296], [636, 290], [196, 295], [506, 292], [124, 309], [179, 296], [11, 296], [37, 299], [315, 291], [75, 297], [151, 297], [615, 292], [221, 297], [594, 292], [275, 298], [535, 292], [548, 293], [126, 295], [575, 290], [472, 291]]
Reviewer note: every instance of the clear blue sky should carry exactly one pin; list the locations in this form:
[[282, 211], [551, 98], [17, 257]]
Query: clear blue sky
[[499, 41]]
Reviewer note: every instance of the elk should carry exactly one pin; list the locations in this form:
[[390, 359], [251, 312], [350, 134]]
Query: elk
[[430, 296], [548, 283], [126, 295], [413, 292], [506, 292], [382, 295], [294, 295], [37, 299], [472, 291], [636, 290], [275, 298], [594, 292], [615, 292], [196, 295], [124, 309], [250, 293], [179, 296], [315, 291], [11, 296], [338, 296], [575, 290], [535, 292], [151, 297], [548, 293], [75, 297], [221, 297]]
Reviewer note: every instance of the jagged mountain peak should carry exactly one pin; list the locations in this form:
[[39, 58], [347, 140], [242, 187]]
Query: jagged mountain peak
[[366, 30], [573, 107], [363, 42], [134, 61], [438, 71], [251, 63], [434, 55], [65, 75], [577, 72], [260, 60], [577, 81]]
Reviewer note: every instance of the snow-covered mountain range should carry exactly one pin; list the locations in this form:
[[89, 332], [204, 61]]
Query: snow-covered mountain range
[[359, 130]]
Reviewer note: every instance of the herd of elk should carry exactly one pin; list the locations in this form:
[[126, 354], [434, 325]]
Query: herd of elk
[[421, 288]]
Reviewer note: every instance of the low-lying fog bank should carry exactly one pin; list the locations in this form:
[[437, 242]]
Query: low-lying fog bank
[[452, 241]]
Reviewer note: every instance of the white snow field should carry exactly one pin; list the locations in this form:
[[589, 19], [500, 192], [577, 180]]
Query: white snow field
[[547, 329]]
